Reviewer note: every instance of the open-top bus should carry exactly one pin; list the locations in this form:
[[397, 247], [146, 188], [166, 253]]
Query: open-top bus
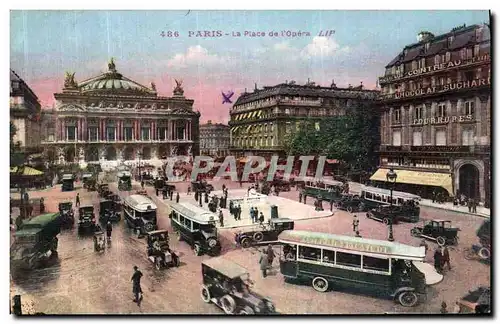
[[383, 268]]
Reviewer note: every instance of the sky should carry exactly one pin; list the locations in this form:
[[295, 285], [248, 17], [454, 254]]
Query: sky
[[45, 44]]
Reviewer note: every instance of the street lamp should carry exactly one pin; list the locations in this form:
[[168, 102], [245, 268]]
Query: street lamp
[[391, 177]]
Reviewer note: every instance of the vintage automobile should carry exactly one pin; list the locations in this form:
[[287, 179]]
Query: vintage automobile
[[437, 230], [103, 190], [86, 219], [477, 301], [124, 181], [86, 178], [394, 214], [202, 185], [35, 241], [196, 226], [483, 249], [351, 203], [227, 285], [108, 211], [159, 252], [67, 214], [264, 234], [68, 182], [99, 242]]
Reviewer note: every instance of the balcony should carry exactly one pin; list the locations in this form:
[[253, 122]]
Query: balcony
[[477, 149], [179, 141]]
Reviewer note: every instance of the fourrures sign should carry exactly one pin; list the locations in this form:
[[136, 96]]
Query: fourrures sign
[[443, 120]]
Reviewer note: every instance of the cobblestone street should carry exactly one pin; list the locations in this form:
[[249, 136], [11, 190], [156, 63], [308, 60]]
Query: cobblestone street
[[83, 281]]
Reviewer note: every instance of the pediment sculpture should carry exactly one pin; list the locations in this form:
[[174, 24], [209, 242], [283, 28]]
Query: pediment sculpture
[[69, 80]]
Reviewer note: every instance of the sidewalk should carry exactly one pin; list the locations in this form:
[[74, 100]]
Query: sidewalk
[[287, 208], [355, 187]]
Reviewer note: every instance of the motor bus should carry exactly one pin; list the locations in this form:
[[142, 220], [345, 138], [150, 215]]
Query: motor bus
[[381, 268], [140, 213], [373, 197]]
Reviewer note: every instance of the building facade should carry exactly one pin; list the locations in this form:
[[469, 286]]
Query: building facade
[[115, 119], [436, 114], [25, 114], [214, 139], [262, 121]]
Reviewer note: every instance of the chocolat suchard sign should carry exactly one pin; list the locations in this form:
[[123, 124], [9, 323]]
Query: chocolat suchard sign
[[440, 89]]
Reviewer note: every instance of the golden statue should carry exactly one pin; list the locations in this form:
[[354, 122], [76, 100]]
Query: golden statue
[[111, 65], [69, 80]]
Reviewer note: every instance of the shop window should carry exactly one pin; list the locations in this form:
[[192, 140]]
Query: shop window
[[417, 138], [396, 138], [467, 137], [347, 259], [441, 138]]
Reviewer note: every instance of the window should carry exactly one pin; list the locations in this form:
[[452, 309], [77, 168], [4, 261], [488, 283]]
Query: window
[[308, 253], [427, 46], [421, 63], [93, 131], [469, 53], [396, 138], [450, 40], [175, 216], [440, 138], [187, 223], [476, 50], [467, 137], [414, 65], [442, 80], [70, 133], [417, 138], [181, 219], [441, 110], [368, 195], [162, 133], [377, 264], [128, 132], [397, 115], [463, 52], [448, 57], [329, 256], [347, 259], [437, 59], [418, 112], [145, 133], [110, 133], [196, 226]]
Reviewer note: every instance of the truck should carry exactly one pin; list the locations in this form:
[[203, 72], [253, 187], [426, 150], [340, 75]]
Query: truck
[[35, 241]]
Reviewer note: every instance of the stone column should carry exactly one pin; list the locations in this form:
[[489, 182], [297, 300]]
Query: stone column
[[431, 128], [63, 130], [153, 131], [85, 130]]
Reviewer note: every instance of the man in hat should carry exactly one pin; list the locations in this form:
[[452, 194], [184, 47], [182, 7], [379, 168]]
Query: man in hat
[[264, 263], [136, 284]]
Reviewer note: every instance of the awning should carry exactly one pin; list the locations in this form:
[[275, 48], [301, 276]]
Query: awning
[[27, 171], [234, 129], [248, 128], [254, 114], [443, 180], [259, 113]]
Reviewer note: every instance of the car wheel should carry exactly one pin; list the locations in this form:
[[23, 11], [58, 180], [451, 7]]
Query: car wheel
[[320, 284], [349, 209], [228, 304], [415, 232], [484, 253], [441, 241], [205, 294], [257, 237], [149, 227], [245, 242], [469, 254], [386, 221], [245, 311], [158, 263], [408, 298], [197, 249]]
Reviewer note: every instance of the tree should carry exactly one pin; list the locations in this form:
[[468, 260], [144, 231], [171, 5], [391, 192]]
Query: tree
[[306, 141]]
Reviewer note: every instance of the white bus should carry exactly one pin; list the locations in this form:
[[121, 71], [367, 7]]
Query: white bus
[[140, 213]]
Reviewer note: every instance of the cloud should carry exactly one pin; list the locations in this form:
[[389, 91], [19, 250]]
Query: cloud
[[195, 55], [323, 46], [283, 46]]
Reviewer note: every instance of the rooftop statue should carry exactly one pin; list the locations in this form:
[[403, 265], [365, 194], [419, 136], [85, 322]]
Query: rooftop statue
[[178, 88], [111, 65], [69, 80], [153, 86]]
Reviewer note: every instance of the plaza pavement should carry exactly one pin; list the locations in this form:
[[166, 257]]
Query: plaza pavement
[[287, 208]]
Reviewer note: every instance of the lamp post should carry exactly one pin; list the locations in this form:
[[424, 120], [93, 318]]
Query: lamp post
[[391, 177]]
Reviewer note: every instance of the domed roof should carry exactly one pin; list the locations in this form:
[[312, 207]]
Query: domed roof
[[114, 82]]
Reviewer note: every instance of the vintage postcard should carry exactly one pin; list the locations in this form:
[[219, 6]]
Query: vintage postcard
[[212, 162]]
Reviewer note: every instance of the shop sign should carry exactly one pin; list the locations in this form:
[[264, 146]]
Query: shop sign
[[443, 120]]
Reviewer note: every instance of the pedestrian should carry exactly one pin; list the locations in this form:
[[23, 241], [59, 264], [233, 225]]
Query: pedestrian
[[264, 263], [221, 218], [300, 196], [261, 218], [26, 197], [171, 194], [305, 197], [177, 197], [437, 261], [469, 204], [109, 229], [474, 205], [251, 214], [270, 255], [223, 187], [354, 223], [77, 202], [206, 197], [142, 184], [443, 308], [331, 204], [157, 189], [446, 257], [42, 206], [196, 195], [189, 191], [136, 285], [239, 212]]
